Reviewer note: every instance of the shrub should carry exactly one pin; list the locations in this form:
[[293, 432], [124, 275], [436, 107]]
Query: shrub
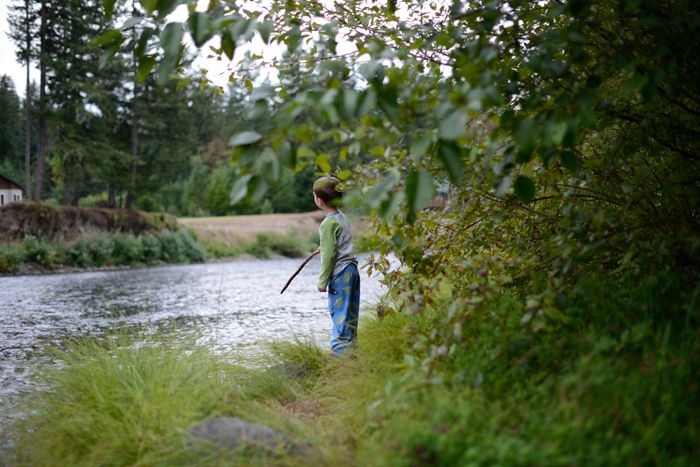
[[78, 254], [127, 249], [100, 250], [171, 247], [10, 258], [152, 249], [39, 252], [217, 248], [261, 247], [290, 245], [191, 249]]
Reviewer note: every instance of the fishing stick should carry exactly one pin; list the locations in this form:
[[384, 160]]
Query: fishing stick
[[299, 270]]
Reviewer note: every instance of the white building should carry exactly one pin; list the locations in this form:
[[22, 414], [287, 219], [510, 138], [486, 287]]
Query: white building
[[9, 191]]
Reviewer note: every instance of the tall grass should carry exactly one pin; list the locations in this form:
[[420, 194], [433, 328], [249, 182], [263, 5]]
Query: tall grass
[[129, 401]]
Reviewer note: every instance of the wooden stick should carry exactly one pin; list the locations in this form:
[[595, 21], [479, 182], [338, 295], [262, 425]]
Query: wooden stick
[[299, 270]]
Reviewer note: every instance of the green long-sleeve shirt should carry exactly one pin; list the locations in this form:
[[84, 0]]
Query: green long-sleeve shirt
[[336, 247]]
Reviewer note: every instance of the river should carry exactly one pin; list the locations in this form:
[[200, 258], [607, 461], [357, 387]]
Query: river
[[234, 305]]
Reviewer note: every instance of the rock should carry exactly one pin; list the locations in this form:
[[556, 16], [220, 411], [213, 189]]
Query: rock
[[232, 433]]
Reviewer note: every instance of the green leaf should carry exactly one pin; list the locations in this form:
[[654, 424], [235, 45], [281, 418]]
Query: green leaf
[[293, 39], [306, 152], [555, 132], [149, 5], [141, 45], [568, 160], [524, 188], [503, 186], [420, 143], [109, 7], [387, 101], [239, 189], [526, 134], [323, 162], [165, 7], [171, 37], [287, 155], [249, 85], [257, 187], [145, 66], [453, 126], [271, 168], [228, 44], [378, 192], [265, 29], [110, 36], [182, 83], [198, 23], [245, 138], [450, 156], [419, 190], [390, 206], [107, 55]]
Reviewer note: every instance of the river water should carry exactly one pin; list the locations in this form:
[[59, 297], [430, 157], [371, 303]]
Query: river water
[[234, 305]]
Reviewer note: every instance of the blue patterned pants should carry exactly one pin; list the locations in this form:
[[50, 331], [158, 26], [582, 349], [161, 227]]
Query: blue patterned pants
[[344, 307]]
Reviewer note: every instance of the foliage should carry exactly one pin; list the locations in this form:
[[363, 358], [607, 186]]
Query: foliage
[[11, 131], [10, 258]]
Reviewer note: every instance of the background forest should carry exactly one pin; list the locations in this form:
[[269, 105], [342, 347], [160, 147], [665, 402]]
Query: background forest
[[99, 135]]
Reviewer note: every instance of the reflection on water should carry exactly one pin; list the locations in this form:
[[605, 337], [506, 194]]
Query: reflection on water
[[233, 304]]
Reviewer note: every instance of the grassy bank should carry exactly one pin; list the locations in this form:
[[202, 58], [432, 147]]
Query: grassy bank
[[104, 250], [610, 379]]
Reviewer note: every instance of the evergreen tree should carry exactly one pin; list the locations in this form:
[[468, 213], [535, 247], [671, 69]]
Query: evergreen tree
[[11, 130]]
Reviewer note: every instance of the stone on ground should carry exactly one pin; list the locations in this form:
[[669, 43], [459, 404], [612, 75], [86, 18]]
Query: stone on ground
[[232, 433]]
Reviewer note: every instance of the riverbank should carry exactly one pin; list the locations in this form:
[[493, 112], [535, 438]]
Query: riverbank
[[588, 389], [37, 238], [119, 251]]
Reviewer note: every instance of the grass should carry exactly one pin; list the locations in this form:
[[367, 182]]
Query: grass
[[614, 383]]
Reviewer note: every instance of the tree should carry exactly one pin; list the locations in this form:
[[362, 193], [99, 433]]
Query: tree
[[11, 130], [22, 21]]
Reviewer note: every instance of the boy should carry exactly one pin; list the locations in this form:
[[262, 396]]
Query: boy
[[338, 266]]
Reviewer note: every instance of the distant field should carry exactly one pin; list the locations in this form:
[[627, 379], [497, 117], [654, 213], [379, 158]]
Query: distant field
[[237, 229]]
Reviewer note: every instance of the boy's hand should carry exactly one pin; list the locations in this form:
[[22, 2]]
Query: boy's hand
[[321, 290]]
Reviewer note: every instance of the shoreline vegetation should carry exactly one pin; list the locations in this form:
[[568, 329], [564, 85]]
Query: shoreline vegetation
[[39, 238], [122, 251], [505, 397]]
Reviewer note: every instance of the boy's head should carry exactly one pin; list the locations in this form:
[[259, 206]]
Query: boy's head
[[326, 190]]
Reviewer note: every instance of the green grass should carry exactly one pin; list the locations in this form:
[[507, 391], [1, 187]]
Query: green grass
[[611, 380]]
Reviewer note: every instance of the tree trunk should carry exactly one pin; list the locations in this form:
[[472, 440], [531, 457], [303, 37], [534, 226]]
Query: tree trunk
[[111, 196], [134, 152], [41, 150], [75, 198], [28, 118]]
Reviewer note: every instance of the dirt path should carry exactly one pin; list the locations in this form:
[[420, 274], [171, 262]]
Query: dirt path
[[236, 229]]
